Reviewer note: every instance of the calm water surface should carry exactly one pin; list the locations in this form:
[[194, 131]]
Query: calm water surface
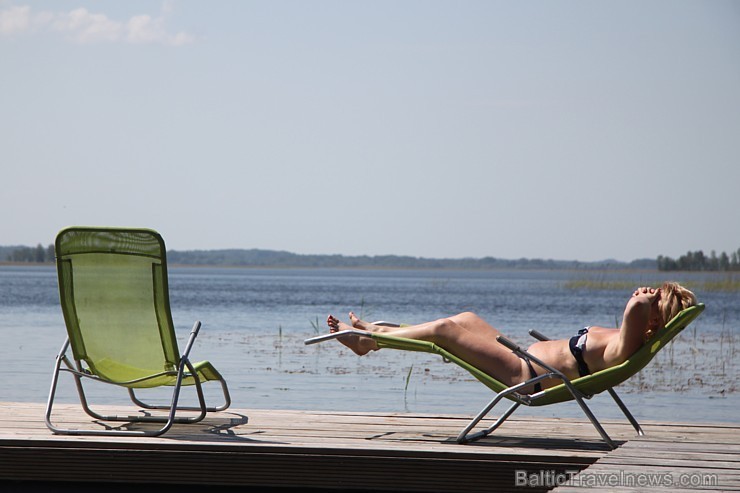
[[255, 320]]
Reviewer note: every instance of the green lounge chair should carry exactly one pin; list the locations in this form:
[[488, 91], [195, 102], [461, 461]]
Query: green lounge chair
[[579, 389], [115, 300]]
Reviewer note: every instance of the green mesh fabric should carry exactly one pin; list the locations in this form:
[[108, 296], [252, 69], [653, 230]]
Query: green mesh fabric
[[114, 296], [589, 385], [141, 242], [204, 369]]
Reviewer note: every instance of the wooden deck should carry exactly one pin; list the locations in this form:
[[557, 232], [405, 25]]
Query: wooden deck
[[364, 451]]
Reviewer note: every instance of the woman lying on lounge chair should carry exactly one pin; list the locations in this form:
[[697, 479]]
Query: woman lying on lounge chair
[[592, 349]]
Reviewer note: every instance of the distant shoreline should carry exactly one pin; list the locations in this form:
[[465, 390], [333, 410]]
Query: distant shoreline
[[176, 265], [275, 259], [284, 259], [172, 265]]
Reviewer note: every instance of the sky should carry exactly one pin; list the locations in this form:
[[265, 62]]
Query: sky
[[574, 130]]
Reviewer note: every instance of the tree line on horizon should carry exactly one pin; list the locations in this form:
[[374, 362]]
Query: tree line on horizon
[[698, 261], [274, 258], [691, 261], [25, 254]]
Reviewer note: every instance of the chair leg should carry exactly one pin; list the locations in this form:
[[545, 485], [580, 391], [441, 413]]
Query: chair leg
[[167, 420], [466, 437], [577, 395], [172, 408], [626, 412], [590, 415], [110, 431], [53, 389], [212, 409]]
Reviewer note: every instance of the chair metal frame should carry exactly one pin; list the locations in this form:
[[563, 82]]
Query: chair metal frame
[[512, 392], [185, 370], [178, 371]]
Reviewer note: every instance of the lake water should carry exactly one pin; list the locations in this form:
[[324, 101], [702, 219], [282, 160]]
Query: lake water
[[255, 321]]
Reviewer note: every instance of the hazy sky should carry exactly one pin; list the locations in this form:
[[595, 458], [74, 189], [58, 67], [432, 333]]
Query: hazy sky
[[567, 130]]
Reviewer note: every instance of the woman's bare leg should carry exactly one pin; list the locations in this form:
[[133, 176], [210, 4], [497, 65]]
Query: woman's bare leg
[[466, 336], [467, 320], [360, 345]]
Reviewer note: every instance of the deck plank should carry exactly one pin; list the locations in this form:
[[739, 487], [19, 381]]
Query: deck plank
[[265, 448], [671, 457]]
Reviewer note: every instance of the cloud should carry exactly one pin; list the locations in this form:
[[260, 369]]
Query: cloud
[[85, 27], [144, 29], [15, 20]]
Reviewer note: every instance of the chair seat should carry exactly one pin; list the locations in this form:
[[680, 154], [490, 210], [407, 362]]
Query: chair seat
[[137, 378]]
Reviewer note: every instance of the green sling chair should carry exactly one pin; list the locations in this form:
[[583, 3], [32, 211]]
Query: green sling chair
[[579, 389], [115, 301]]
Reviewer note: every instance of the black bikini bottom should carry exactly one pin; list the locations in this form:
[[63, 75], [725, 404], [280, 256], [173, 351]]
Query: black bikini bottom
[[532, 373], [577, 352]]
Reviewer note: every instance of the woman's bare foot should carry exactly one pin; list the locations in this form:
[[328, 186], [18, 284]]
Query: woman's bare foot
[[361, 324], [359, 344]]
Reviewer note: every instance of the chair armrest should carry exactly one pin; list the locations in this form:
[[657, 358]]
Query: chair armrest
[[334, 335], [509, 344], [191, 339], [538, 335]]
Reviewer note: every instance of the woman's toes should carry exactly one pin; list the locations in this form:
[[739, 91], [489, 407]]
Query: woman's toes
[[353, 318]]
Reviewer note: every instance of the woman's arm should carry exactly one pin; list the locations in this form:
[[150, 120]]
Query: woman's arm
[[634, 323]]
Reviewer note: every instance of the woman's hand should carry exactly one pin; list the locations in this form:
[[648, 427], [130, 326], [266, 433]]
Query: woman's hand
[[651, 294], [643, 290]]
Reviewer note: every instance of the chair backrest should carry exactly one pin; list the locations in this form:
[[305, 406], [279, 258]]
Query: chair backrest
[[115, 300], [610, 377]]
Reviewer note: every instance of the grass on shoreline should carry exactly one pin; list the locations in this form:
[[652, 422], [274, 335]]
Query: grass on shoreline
[[728, 284], [720, 282]]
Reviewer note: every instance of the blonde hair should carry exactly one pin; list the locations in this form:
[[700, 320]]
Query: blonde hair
[[673, 299]]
